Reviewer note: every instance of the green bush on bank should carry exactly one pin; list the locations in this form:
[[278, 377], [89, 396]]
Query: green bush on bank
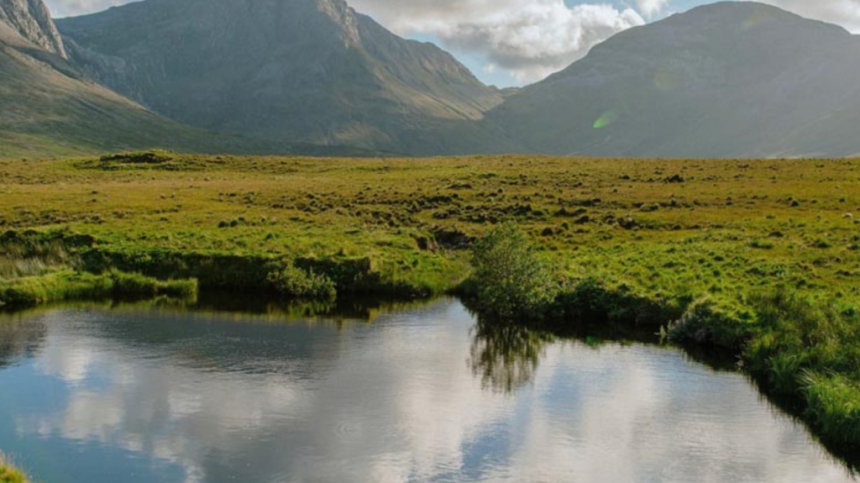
[[510, 279], [293, 282]]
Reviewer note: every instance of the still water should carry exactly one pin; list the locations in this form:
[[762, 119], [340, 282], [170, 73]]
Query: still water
[[141, 394]]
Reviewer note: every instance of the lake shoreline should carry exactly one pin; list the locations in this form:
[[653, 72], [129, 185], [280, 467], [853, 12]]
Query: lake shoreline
[[760, 257], [589, 307]]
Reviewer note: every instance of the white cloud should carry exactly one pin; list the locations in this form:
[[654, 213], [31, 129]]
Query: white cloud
[[650, 8], [67, 8], [841, 12], [530, 39]]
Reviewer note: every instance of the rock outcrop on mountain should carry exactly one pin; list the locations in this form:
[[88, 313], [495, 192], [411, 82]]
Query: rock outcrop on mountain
[[48, 107], [31, 19]]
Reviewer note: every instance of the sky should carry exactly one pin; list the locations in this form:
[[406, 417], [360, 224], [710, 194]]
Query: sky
[[518, 42]]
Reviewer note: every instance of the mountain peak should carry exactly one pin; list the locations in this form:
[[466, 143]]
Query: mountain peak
[[32, 20], [727, 79], [312, 71], [740, 16]]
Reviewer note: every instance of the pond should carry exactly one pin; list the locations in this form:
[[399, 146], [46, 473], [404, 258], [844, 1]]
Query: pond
[[95, 393]]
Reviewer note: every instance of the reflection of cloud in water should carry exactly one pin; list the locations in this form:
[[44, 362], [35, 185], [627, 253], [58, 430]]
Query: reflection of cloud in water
[[398, 401]]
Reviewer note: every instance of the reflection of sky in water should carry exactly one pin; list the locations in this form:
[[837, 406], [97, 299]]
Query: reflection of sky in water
[[169, 398]]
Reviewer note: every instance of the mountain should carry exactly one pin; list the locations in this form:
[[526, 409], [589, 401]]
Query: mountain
[[731, 79], [302, 70], [49, 108], [723, 80]]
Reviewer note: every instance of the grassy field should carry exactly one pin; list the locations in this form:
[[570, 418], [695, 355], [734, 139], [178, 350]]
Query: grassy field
[[662, 227], [712, 244]]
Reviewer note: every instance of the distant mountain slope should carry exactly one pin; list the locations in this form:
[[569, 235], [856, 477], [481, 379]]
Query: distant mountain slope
[[48, 108], [723, 80], [731, 79], [300, 70]]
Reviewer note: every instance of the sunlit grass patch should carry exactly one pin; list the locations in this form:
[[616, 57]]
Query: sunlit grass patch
[[10, 474]]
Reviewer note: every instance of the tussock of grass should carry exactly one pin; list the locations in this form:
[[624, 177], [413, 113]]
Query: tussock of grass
[[63, 285], [137, 285], [833, 405], [10, 474], [73, 285], [294, 282]]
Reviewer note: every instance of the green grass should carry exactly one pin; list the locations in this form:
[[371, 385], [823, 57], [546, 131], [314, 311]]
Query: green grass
[[762, 257], [10, 474], [797, 346], [75, 285], [673, 231], [729, 227]]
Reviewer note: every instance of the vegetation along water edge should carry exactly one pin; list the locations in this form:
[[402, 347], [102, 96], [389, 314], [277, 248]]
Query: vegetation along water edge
[[9, 473], [761, 257]]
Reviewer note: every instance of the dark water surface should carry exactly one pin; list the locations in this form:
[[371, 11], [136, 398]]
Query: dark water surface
[[93, 394]]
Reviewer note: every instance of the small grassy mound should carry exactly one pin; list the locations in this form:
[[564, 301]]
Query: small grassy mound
[[143, 157], [10, 474]]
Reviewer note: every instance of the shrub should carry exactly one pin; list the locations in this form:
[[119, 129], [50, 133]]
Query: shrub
[[511, 280], [292, 281]]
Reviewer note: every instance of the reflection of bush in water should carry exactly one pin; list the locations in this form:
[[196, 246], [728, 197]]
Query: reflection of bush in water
[[506, 356]]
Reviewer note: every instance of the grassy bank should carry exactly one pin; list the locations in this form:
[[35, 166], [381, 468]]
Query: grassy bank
[[798, 347], [762, 257], [10, 474], [75, 285]]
